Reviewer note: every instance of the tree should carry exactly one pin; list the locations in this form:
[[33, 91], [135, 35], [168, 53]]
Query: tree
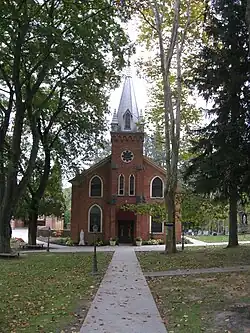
[[49, 45], [221, 74], [53, 202], [170, 29]]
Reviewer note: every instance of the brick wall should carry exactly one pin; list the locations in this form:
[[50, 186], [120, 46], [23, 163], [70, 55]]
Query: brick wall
[[110, 203]]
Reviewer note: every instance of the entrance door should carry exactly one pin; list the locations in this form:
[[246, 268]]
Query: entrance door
[[126, 231]]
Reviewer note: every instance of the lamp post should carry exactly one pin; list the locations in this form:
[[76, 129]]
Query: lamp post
[[48, 239], [94, 266]]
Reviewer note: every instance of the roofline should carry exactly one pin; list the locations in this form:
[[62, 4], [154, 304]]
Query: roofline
[[152, 162], [92, 168]]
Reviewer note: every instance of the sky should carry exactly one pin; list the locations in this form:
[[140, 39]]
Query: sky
[[140, 85]]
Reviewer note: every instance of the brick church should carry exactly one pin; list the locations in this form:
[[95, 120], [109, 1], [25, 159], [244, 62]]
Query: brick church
[[124, 177]]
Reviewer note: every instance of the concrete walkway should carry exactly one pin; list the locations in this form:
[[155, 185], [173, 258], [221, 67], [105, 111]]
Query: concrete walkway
[[178, 272], [196, 242], [123, 302]]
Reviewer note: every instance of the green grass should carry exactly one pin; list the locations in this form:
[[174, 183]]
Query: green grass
[[202, 257], [213, 303], [219, 238], [41, 292]]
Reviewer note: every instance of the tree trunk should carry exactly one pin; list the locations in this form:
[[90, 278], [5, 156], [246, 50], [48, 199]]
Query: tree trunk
[[170, 246], [5, 232], [32, 230], [36, 198], [233, 232]]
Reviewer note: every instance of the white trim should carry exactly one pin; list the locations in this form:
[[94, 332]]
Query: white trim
[[118, 190], [131, 195], [89, 217], [90, 187], [151, 182], [155, 233]]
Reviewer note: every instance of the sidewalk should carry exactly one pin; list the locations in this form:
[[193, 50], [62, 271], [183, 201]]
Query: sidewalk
[[196, 242], [123, 302], [194, 271]]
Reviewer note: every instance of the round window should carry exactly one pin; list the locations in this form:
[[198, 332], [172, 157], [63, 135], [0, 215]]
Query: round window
[[127, 156]]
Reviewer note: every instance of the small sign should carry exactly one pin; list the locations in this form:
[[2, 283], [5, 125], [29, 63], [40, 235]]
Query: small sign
[[169, 224]]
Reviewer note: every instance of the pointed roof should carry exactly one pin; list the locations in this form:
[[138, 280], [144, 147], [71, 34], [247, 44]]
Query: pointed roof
[[128, 104], [114, 119]]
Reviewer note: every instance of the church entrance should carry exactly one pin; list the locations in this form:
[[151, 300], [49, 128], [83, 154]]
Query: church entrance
[[125, 231]]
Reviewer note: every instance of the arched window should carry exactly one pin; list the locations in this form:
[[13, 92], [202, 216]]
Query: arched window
[[156, 227], [127, 125], [95, 187], [95, 218], [131, 185], [156, 188], [121, 185]]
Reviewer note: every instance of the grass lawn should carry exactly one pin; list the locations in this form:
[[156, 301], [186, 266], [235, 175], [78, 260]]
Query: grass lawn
[[220, 238], [213, 303], [195, 258], [47, 292]]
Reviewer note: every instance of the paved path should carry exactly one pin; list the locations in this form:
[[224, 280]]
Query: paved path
[[196, 242], [123, 303], [23, 233], [178, 272]]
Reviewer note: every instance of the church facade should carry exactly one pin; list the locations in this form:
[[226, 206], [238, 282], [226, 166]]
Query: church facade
[[124, 177]]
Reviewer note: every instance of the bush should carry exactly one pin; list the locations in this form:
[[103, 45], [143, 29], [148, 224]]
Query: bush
[[69, 242], [153, 242], [57, 233]]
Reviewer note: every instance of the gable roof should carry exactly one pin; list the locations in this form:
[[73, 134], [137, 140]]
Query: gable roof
[[91, 169], [151, 162]]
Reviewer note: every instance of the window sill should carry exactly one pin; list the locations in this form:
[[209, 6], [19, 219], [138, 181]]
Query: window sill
[[96, 197], [156, 197], [157, 233], [92, 232]]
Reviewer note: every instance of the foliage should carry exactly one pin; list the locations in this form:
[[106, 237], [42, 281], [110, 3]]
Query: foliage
[[67, 197], [58, 59], [52, 202], [69, 242], [47, 301], [67, 213], [155, 209], [169, 30], [201, 210], [151, 67], [67, 218], [221, 74], [153, 242]]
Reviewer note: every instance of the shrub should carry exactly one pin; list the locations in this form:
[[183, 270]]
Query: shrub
[[69, 241], [153, 242], [57, 233]]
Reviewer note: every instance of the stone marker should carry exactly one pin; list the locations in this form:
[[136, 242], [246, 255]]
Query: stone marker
[[82, 238]]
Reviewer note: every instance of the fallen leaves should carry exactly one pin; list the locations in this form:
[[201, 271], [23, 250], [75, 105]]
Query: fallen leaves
[[42, 291]]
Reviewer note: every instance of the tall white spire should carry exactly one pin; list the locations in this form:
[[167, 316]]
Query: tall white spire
[[128, 114]]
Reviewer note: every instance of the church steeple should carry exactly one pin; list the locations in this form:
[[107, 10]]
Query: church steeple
[[127, 118]]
